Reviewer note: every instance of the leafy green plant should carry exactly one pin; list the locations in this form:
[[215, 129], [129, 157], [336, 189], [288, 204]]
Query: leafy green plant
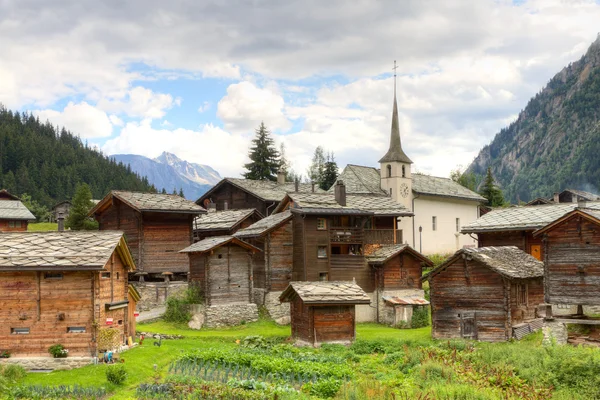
[[58, 351], [324, 388], [420, 317], [177, 311], [4, 354], [116, 374], [13, 373], [55, 392]]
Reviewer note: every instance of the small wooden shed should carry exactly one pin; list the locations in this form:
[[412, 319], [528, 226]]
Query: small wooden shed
[[222, 267], [14, 216], [323, 312], [486, 293]]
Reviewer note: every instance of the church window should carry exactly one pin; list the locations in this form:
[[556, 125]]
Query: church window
[[457, 224], [389, 171], [404, 171], [434, 223]]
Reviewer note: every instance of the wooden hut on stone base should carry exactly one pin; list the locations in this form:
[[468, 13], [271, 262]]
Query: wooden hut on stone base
[[487, 293], [323, 312], [222, 268]]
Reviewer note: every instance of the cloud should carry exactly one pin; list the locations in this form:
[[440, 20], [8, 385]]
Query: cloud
[[82, 119], [204, 107], [139, 102]]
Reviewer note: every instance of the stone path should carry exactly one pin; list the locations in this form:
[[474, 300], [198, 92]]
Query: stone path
[[151, 314]]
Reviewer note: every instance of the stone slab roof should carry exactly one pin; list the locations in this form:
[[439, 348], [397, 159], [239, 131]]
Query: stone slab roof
[[15, 210], [265, 190], [583, 194], [385, 253], [508, 261], [211, 243], [222, 220], [328, 292], [521, 218], [70, 250], [360, 180], [325, 203], [265, 225], [153, 202]]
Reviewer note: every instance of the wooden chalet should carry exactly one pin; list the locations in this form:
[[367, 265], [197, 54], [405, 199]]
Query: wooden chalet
[[157, 226], [61, 209], [264, 196], [222, 267], [14, 216], [572, 258], [64, 287], [489, 294], [398, 270], [222, 223], [323, 312]]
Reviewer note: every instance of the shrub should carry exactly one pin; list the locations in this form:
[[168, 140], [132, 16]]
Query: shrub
[[323, 388], [116, 374], [13, 373], [368, 346], [58, 351], [420, 317], [177, 311]]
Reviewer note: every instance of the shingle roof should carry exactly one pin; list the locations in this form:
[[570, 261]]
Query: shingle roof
[[360, 180], [508, 261], [265, 225], [151, 202], [325, 203], [585, 212], [4, 194], [222, 220], [15, 210], [581, 193], [384, 253], [266, 190], [213, 242], [521, 218], [74, 250], [326, 292]]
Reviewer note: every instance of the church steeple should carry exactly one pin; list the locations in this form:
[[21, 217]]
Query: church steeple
[[395, 152]]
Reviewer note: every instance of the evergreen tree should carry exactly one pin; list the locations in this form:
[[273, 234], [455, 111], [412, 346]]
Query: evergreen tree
[[264, 158], [10, 183], [181, 193], [163, 191], [330, 172], [317, 167], [174, 191], [81, 204], [491, 191]]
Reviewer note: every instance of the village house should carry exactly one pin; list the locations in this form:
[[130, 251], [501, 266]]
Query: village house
[[323, 312], [60, 209], [488, 293], [220, 223], [566, 196], [66, 288], [14, 216], [222, 268]]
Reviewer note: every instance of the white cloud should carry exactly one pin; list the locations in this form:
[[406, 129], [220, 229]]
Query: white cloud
[[204, 107], [81, 119], [116, 121], [139, 102]]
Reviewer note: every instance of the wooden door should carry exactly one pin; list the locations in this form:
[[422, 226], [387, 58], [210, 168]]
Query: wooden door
[[468, 326], [536, 251]]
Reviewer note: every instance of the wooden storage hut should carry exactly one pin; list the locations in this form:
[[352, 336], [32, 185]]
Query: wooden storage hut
[[572, 258], [323, 312], [64, 207], [157, 226], [63, 287], [222, 267], [487, 293], [223, 223], [14, 216]]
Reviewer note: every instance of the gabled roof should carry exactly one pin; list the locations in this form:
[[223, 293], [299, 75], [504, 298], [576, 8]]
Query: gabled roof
[[539, 201], [15, 210], [223, 220], [521, 218], [360, 180], [583, 194], [264, 190], [587, 213], [325, 292], [4, 194], [265, 225], [385, 253], [508, 261], [149, 202], [325, 203], [214, 242], [63, 251]]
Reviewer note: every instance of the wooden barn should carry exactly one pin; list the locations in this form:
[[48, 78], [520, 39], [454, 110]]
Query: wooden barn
[[323, 312], [66, 288], [489, 294], [223, 223], [14, 216], [398, 271], [156, 226], [222, 267], [61, 209], [572, 258]]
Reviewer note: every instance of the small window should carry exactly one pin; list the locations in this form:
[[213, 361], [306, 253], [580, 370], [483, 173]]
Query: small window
[[323, 276], [322, 252], [51, 275], [522, 295], [389, 171], [120, 322], [434, 223], [19, 331], [76, 329], [105, 275], [11, 224], [117, 276], [457, 224], [321, 224], [404, 171]]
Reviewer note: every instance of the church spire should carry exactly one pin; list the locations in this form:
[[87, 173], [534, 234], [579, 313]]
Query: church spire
[[395, 152]]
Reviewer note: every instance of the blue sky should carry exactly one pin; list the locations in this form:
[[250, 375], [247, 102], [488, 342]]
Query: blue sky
[[196, 79]]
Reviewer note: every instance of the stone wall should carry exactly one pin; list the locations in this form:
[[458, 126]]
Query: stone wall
[[230, 315], [48, 363], [554, 333], [154, 294]]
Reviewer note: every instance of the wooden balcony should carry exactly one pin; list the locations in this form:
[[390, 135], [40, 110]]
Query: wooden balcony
[[346, 235], [382, 236], [346, 261]]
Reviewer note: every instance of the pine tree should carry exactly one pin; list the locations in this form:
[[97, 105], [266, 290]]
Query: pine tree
[[330, 172], [491, 191], [81, 204], [181, 193], [264, 158], [317, 167], [163, 191]]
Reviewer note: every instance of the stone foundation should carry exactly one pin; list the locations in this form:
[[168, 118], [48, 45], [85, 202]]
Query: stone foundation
[[554, 333], [154, 294], [48, 363], [224, 315], [280, 312]]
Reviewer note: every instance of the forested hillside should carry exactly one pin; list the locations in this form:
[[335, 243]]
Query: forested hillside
[[38, 159], [555, 142]]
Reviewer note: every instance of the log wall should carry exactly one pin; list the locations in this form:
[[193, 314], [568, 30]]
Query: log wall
[[521, 239], [333, 323], [301, 320], [238, 199], [535, 296], [401, 272], [229, 276], [279, 257], [20, 226]]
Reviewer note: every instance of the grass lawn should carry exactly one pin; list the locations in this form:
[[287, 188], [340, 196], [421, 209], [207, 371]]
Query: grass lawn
[[42, 227]]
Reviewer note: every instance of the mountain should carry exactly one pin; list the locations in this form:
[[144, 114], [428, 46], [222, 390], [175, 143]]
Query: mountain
[[170, 172], [555, 142], [48, 163]]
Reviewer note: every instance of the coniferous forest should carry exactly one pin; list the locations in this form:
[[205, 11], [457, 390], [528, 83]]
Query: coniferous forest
[[48, 163]]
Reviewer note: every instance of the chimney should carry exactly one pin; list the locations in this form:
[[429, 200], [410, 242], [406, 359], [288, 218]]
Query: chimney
[[581, 203], [212, 207], [280, 177], [296, 184], [340, 193], [61, 222], [556, 198], [312, 187]]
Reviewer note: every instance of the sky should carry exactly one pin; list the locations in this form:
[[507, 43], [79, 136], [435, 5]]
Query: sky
[[196, 78]]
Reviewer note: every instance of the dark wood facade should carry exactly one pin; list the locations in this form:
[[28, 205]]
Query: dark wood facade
[[227, 196], [11, 225], [403, 271], [522, 239]]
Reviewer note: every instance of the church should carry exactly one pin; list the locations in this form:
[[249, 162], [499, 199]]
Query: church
[[440, 205]]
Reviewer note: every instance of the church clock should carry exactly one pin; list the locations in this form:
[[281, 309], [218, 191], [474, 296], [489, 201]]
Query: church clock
[[404, 190]]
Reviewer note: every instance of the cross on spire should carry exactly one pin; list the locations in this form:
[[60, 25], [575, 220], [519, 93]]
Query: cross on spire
[[394, 69]]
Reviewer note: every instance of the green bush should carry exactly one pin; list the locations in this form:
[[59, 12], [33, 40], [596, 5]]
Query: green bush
[[116, 374], [177, 311], [13, 373], [324, 388], [420, 317]]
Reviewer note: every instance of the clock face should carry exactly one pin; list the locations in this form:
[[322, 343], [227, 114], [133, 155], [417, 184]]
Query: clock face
[[404, 190]]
